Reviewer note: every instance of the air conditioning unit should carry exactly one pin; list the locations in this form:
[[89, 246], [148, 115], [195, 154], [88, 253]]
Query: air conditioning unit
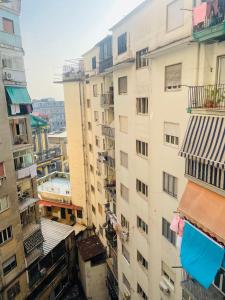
[[164, 287]]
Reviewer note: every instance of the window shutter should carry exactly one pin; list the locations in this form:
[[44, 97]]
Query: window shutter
[[171, 129]]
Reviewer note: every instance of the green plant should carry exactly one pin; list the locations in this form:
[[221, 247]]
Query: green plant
[[214, 96]]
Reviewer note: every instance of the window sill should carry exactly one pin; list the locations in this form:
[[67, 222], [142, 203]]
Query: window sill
[[142, 156], [142, 114], [142, 196], [171, 145], [2, 211], [6, 242], [141, 68], [174, 197], [172, 90]]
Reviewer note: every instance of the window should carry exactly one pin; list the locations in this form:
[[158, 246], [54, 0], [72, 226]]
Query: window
[[97, 141], [175, 15], [221, 70], [126, 253], [89, 126], [142, 148], [167, 232], [100, 208], [93, 209], [141, 187], [23, 159], [96, 116], [79, 214], [124, 192], [90, 148], [142, 225], [99, 187], [173, 77], [93, 62], [141, 60], [91, 169], [5, 235], [141, 292], [8, 25], [122, 85], [92, 189], [171, 133], [13, 291], [88, 103], [2, 170], [9, 265], [4, 203], [142, 261], [167, 273], [170, 184], [69, 211], [95, 90], [123, 124], [49, 209], [124, 222], [142, 106], [124, 159], [122, 43], [126, 283]]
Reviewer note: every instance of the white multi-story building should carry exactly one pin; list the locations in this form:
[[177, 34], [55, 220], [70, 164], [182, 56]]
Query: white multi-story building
[[156, 57]]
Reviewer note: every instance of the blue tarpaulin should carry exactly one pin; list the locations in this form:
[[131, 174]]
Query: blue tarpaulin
[[201, 257]]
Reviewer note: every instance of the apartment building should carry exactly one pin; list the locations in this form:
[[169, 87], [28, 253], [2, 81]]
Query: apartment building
[[139, 93], [51, 110]]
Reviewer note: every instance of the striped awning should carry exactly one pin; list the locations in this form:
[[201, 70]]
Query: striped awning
[[205, 140]]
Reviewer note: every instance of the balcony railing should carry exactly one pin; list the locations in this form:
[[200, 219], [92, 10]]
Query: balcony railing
[[112, 284], [20, 139], [105, 64], [213, 26], [209, 97], [108, 131], [197, 292], [110, 187], [107, 100], [46, 155], [111, 237], [109, 161]]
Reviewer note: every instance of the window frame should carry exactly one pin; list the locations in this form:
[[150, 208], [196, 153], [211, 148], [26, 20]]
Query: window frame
[[94, 63], [142, 225], [172, 88], [125, 253], [141, 188], [122, 43], [95, 90], [124, 159], [142, 108], [6, 198], [12, 265], [167, 178], [142, 148], [140, 61], [167, 233], [125, 91], [142, 260], [6, 235], [12, 23]]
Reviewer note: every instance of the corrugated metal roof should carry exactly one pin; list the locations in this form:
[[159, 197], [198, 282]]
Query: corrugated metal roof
[[90, 247], [53, 233]]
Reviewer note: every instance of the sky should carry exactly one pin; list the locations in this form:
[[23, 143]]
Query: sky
[[57, 30]]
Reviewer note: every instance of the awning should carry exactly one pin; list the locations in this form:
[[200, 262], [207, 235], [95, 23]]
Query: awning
[[201, 257], [204, 140], [18, 95], [204, 208], [57, 204]]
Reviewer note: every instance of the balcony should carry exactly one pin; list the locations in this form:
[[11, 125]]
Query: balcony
[[110, 187], [107, 100], [30, 171], [25, 202], [49, 154], [112, 284], [111, 237], [207, 98], [197, 292], [212, 27], [105, 64], [109, 161], [108, 131], [9, 39]]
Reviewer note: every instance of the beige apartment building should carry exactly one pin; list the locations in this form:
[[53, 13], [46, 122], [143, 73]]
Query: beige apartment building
[[128, 102]]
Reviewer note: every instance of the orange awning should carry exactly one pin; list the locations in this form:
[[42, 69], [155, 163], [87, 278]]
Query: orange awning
[[57, 204], [205, 209]]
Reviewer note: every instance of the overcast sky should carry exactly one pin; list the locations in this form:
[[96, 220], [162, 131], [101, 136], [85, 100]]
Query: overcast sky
[[56, 30]]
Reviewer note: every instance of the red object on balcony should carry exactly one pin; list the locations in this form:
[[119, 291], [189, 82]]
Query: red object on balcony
[[2, 172], [199, 13], [57, 204]]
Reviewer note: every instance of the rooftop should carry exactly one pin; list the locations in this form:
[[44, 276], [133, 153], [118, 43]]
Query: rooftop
[[53, 233], [58, 134], [56, 183], [90, 247]]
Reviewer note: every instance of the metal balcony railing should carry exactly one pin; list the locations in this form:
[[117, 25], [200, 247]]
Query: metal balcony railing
[[107, 100], [111, 237], [46, 155], [215, 16], [197, 292], [20, 139], [207, 97], [108, 131]]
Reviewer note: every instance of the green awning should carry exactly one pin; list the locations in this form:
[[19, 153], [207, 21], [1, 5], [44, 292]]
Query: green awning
[[37, 122], [18, 95]]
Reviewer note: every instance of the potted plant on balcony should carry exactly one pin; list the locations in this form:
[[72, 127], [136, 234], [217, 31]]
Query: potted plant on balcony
[[213, 96]]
